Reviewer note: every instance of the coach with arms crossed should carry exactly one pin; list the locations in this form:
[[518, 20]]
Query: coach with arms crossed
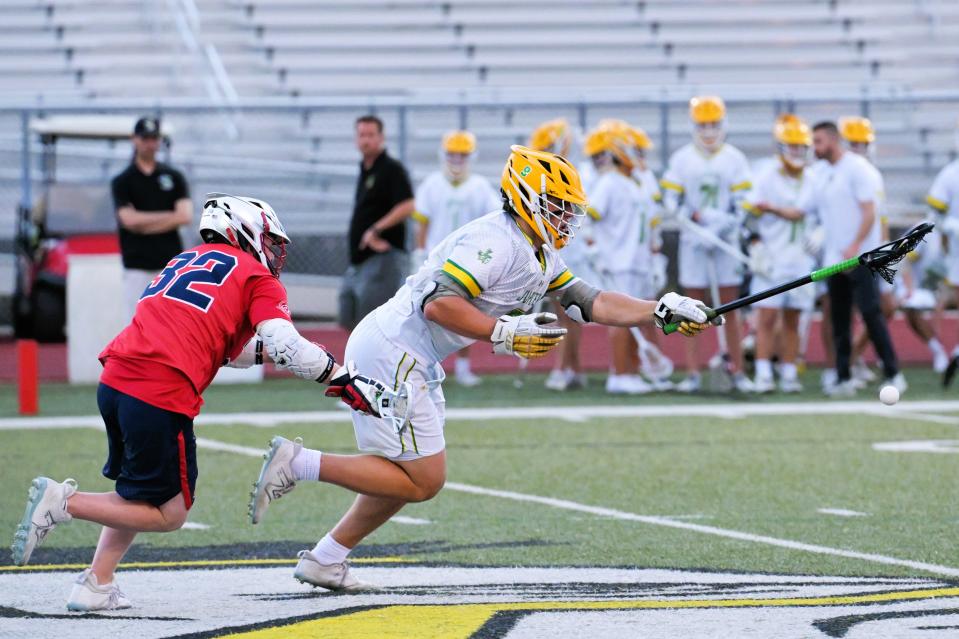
[[842, 196], [152, 201], [384, 199]]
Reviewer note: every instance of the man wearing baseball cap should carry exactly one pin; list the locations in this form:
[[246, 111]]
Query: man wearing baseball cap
[[152, 201]]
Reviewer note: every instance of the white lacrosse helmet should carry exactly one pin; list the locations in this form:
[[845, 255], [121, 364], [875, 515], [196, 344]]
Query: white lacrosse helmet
[[248, 224]]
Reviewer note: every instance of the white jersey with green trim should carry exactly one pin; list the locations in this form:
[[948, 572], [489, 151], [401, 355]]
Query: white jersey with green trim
[[698, 180], [496, 266], [782, 238], [623, 231], [446, 206], [943, 197]]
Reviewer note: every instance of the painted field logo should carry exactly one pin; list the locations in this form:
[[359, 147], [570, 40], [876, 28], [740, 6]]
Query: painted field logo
[[454, 602]]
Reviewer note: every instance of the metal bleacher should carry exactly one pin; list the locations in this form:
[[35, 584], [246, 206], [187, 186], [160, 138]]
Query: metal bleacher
[[494, 65]]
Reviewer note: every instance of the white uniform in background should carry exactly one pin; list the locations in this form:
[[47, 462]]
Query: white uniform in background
[[623, 232], [446, 206], [696, 182], [944, 198], [782, 239], [495, 263]]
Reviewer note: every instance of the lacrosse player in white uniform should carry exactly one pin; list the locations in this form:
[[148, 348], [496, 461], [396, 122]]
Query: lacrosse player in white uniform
[[446, 200], [918, 289], [556, 136], [498, 266], [622, 247], [779, 255], [943, 197], [707, 182]]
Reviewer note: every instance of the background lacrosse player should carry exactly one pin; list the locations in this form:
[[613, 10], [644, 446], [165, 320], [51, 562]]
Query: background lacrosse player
[[479, 284], [446, 200]]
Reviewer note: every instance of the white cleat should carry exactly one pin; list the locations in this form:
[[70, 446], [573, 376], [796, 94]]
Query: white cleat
[[575, 381], [335, 577], [627, 385], [557, 380], [691, 384], [844, 389], [899, 381], [661, 384], [828, 379], [862, 373], [88, 595], [940, 361], [790, 386], [743, 384], [763, 385], [46, 507], [276, 476], [467, 379]]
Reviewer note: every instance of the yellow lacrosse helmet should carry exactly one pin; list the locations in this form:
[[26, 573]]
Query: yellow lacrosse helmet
[[612, 139], [459, 142], [554, 136], [708, 116], [637, 137], [545, 190], [857, 130], [793, 139], [704, 109]]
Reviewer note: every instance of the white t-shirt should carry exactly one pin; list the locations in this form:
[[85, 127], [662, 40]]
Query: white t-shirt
[[834, 198], [622, 234], [494, 262], [782, 238], [447, 206], [944, 194]]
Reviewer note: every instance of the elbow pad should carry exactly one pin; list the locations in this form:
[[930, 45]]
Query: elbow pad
[[293, 352], [251, 355], [577, 300]]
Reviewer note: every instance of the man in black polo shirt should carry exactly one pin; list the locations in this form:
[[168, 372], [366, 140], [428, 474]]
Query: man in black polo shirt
[[152, 201], [384, 199]]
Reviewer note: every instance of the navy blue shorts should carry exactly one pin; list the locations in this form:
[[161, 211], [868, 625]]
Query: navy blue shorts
[[152, 451]]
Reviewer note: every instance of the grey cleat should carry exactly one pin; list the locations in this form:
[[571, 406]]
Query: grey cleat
[[276, 476]]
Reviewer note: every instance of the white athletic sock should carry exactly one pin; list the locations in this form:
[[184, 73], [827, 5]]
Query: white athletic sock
[[306, 465], [788, 371], [935, 346], [764, 369], [329, 551], [462, 366]]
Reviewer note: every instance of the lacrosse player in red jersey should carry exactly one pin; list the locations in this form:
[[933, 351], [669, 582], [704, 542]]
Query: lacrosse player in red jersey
[[220, 303]]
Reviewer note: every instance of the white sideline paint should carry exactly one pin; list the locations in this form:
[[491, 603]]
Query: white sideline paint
[[919, 446], [903, 410], [645, 519], [192, 525], [412, 521], [841, 512]]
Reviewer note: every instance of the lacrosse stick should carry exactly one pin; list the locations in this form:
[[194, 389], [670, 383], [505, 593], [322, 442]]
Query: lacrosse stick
[[394, 406], [720, 383], [520, 380], [712, 239], [880, 260]]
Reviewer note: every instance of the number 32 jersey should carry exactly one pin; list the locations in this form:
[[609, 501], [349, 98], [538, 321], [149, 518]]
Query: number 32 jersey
[[196, 314]]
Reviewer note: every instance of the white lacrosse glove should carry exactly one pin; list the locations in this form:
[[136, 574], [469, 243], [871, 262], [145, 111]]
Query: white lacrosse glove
[[525, 336], [690, 314], [718, 222], [760, 261], [813, 241], [657, 274], [359, 392]]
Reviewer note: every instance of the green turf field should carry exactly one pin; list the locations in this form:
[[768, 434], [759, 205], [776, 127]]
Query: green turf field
[[761, 475]]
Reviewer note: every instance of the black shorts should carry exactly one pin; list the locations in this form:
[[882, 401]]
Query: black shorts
[[152, 451]]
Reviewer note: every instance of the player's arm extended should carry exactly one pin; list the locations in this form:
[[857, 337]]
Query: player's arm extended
[[616, 309], [458, 315]]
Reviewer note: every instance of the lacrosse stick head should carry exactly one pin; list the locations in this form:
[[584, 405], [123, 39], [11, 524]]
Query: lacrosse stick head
[[395, 406], [883, 259], [653, 363]]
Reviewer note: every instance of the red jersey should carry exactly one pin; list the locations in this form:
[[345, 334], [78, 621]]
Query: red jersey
[[196, 314]]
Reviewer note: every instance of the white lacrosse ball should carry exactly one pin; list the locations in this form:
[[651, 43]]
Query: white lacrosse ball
[[889, 395]]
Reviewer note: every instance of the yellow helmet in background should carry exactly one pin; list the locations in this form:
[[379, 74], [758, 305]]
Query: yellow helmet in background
[[458, 148], [613, 140], [793, 139], [637, 137], [554, 136], [545, 190], [857, 130], [708, 116], [459, 142]]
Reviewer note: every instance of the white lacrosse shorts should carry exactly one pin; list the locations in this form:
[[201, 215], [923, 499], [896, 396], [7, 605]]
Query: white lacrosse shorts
[[376, 356], [694, 268]]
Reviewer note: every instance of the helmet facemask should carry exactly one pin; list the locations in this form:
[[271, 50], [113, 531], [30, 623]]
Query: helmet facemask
[[553, 217], [457, 166], [709, 136], [794, 157]]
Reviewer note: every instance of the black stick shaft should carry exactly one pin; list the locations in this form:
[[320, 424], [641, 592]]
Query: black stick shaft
[[752, 299]]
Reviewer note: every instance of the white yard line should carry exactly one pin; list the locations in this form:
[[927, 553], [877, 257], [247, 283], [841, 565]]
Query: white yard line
[[903, 410], [192, 525], [412, 521], [841, 512], [645, 519], [942, 446]]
